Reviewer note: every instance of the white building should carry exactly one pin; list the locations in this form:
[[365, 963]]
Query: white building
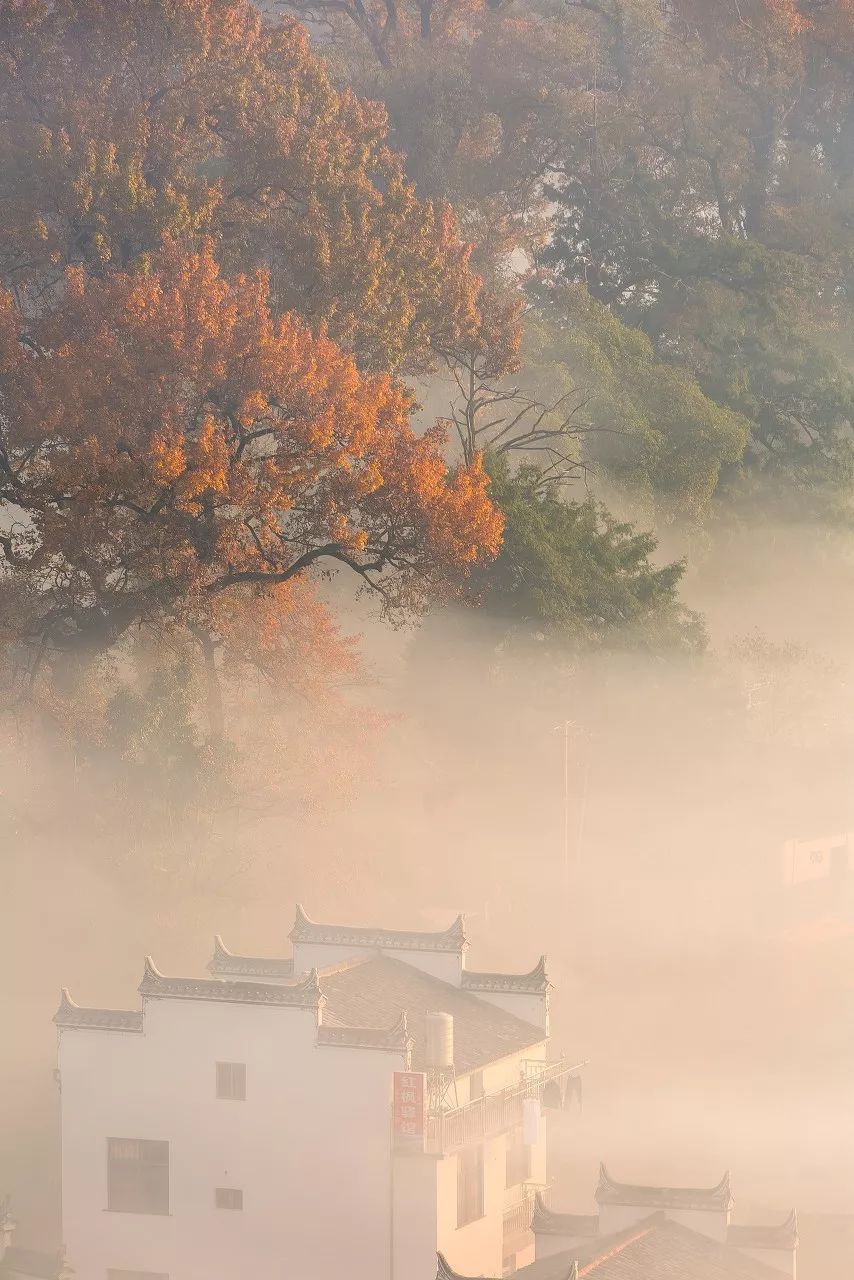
[[268, 1121]]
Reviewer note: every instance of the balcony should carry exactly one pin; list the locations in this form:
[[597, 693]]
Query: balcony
[[517, 1219], [492, 1114]]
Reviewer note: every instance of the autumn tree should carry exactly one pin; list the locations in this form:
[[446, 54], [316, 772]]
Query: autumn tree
[[169, 447], [124, 120]]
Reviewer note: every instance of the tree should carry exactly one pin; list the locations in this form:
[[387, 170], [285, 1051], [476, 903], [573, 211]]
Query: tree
[[642, 422], [168, 446], [124, 120], [572, 572], [708, 209]]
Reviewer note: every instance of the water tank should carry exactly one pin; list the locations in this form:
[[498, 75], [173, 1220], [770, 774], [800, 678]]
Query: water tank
[[439, 1046]]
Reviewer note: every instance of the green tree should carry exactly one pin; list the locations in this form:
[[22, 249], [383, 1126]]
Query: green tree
[[572, 572]]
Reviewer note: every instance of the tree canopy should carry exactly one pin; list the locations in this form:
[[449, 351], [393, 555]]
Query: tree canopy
[[166, 440], [124, 121], [572, 572]]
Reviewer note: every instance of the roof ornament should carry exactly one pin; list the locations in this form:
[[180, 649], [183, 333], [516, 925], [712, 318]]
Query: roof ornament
[[71, 1014], [717, 1198], [451, 940], [228, 964], [305, 994], [546, 1221], [534, 983]]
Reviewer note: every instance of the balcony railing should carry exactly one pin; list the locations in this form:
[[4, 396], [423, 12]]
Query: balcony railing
[[517, 1219], [492, 1114]]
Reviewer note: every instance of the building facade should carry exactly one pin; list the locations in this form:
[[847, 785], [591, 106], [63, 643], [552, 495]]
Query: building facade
[[286, 1117]]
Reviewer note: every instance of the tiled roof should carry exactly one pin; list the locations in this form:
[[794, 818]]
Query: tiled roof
[[535, 983], [226, 964], [450, 940], [376, 991], [70, 1014], [718, 1197], [653, 1249], [392, 1038], [304, 994], [546, 1222], [782, 1236]]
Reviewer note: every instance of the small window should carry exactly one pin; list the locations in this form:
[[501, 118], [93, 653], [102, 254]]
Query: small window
[[137, 1175], [469, 1186], [518, 1164], [228, 1198], [231, 1081]]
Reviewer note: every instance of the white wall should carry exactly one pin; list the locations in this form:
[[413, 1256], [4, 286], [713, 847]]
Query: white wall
[[309, 1147], [784, 1260], [528, 1006], [415, 1218]]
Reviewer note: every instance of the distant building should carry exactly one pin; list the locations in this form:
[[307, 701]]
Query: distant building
[[642, 1233], [349, 1110]]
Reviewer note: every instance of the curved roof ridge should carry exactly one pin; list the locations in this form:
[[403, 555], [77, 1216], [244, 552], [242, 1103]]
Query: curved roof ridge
[[393, 1038], [228, 962], [610, 1191], [452, 939], [546, 1221], [783, 1235], [535, 982], [71, 1014], [303, 994]]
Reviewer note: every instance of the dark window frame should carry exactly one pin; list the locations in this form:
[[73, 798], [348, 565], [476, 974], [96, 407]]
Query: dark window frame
[[136, 1184], [223, 1199], [231, 1081]]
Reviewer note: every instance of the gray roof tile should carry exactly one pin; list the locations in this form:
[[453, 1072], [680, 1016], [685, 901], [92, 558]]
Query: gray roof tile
[[376, 991], [653, 1249]]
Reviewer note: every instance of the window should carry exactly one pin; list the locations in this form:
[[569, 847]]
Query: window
[[518, 1164], [231, 1081], [228, 1198], [113, 1274], [469, 1185], [137, 1175], [475, 1085]]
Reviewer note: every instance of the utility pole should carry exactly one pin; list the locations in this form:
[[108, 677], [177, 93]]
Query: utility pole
[[567, 724]]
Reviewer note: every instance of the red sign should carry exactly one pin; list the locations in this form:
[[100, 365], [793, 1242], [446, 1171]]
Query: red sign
[[408, 1110]]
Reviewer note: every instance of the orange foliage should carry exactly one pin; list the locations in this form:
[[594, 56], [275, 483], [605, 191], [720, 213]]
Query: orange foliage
[[128, 119], [171, 442]]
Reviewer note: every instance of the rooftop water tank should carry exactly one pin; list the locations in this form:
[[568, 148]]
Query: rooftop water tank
[[439, 1046]]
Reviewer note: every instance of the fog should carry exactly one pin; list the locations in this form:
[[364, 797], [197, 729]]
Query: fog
[[713, 1002]]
